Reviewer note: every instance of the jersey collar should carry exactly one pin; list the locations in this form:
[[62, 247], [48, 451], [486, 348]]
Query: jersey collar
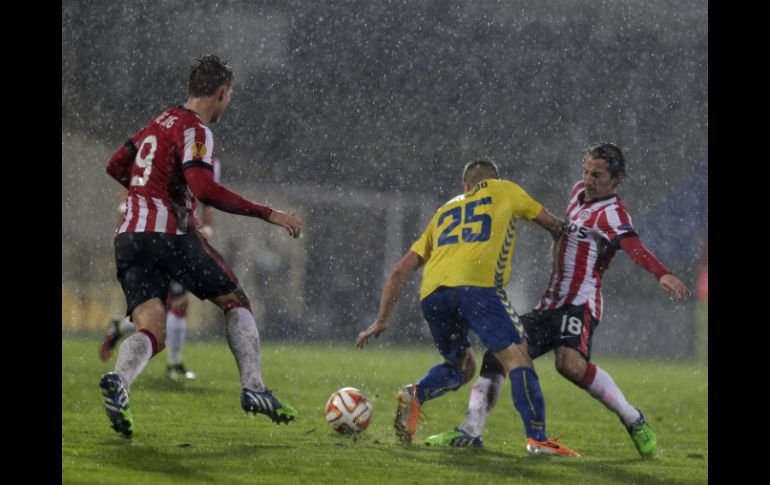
[[582, 196], [181, 106]]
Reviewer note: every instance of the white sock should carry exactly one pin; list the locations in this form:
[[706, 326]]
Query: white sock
[[176, 328], [243, 339], [605, 390], [484, 395], [133, 355], [126, 326]]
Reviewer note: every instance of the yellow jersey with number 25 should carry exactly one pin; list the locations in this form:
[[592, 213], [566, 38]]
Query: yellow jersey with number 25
[[470, 239]]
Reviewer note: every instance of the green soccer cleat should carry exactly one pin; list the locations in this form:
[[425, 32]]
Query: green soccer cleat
[[265, 403], [456, 438], [116, 404], [642, 436]]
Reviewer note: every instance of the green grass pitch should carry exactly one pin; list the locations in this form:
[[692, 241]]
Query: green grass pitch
[[191, 433]]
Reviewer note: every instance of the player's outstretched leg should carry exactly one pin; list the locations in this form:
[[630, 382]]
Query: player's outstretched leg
[[265, 403], [116, 403], [602, 387]]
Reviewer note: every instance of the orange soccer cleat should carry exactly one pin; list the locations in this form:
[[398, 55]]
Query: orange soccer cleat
[[549, 447]]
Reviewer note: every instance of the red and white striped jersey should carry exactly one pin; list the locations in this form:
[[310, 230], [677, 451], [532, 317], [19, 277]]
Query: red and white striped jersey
[[585, 250], [159, 199]]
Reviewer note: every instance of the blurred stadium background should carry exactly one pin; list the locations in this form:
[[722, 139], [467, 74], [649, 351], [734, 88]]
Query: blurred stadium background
[[360, 115]]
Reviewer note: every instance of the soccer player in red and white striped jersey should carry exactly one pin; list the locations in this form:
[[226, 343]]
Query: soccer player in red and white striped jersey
[[176, 303], [594, 230], [167, 167], [596, 225]]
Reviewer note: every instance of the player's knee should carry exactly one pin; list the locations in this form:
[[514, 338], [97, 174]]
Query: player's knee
[[513, 356], [490, 365], [151, 316], [180, 306], [569, 370], [238, 298], [469, 370]]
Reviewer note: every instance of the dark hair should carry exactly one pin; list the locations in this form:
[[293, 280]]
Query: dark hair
[[616, 162], [207, 73], [477, 170]]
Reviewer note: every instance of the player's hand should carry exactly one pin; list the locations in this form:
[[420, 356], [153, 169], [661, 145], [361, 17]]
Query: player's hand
[[374, 329], [288, 221], [674, 286]]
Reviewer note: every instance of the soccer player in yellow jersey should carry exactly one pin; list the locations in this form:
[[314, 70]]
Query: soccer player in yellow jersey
[[467, 250]]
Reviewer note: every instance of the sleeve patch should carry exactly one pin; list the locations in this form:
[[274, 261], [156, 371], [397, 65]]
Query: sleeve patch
[[198, 150]]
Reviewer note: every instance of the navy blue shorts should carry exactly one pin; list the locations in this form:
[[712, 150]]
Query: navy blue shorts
[[452, 312]]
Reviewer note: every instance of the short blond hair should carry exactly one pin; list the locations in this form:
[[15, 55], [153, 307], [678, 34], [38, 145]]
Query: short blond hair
[[480, 169]]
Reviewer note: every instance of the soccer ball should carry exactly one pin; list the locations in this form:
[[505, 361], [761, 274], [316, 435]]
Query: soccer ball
[[349, 411]]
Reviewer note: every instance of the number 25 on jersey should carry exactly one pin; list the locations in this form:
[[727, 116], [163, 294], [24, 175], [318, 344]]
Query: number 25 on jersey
[[456, 218]]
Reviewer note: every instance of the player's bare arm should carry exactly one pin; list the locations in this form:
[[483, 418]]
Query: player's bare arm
[[398, 276], [550, 223]]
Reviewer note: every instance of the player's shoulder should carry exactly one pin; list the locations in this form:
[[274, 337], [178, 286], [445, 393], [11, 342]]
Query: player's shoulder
[[174, 118], [453, 200], [614, 207], [509, 188], [619, 205], [500, 185]]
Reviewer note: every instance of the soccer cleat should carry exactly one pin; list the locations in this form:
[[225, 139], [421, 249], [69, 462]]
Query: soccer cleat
[[407, 414], [178, 372], [456, 438], [116, 403], [549, 447], [265, 403], [110, 340], [642, 436]]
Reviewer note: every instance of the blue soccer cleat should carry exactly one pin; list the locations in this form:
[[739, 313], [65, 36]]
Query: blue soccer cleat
[[116, 403], [265, 403]]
